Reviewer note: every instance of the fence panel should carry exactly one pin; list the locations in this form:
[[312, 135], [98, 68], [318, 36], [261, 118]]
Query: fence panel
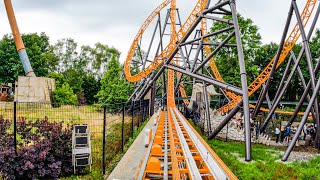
[[42, 126]]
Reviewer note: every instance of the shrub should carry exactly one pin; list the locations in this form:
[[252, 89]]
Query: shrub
[[64, 96], [6, 139], [44, 150]]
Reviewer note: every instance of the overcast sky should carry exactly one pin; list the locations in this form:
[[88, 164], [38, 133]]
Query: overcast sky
[[116, 22]]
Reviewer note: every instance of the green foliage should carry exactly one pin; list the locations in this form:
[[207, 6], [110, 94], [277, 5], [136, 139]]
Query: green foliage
[[39, 53], [113, 88], [83, 69], [59, 78], [64, 95], [91, 86]]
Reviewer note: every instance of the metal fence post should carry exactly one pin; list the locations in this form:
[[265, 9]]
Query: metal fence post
[[15, 125], [122, 147], [104, 140], [139, 117], [132, 123]]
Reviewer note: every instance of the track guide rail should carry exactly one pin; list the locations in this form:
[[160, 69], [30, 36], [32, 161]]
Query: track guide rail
[[177, 151]]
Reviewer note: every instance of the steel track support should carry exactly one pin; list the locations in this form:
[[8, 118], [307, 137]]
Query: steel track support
[[207, 106], [192, 28], [301, 53], [275, 62], [206, 79], [226, 120], [150, 45], [309, 62], [284, 76], [244, 83], [304, 85], [152, 99], [303, 121], [215, 51], [303, 97]]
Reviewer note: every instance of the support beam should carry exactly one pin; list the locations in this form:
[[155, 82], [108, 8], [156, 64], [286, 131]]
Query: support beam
[[230, 115], [244, 83], [18, 40], [275, 62], [301, 53], [214, 51], [207, 106], [309, 57], [303, 121], [208, 80], [152, 99]]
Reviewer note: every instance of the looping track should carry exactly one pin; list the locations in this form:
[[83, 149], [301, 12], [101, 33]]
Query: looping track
[[158, 61]]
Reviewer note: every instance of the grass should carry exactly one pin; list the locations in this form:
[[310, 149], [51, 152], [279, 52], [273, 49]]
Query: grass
[[113, 159], [118, 157], [265, 164]]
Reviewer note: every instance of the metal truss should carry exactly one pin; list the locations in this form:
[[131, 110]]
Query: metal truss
[[190, 53]]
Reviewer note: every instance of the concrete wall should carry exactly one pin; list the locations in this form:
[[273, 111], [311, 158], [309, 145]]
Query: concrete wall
[[34, 89]]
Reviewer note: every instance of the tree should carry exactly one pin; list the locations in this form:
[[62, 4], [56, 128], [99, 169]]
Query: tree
[[83, 69], [59, 78], [227, 59], [91, 87], [97, 58], [63, 94], [38, 50], [113, 88]]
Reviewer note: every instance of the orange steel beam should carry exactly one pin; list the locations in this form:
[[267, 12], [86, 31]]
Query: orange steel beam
[[153, 166], [170, 89], [14, 25]]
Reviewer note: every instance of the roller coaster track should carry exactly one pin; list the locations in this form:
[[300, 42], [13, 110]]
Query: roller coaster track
[[159, 60], [254, 86], [177, 151], [264, 75]]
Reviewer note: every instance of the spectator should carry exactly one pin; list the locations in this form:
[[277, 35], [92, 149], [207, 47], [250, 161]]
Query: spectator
[[304, 132], [277, 134], [312, 132], [287, 134], [252, 126]]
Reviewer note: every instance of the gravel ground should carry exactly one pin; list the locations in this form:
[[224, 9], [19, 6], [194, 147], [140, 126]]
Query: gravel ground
[[301, 156], [294, 156]]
